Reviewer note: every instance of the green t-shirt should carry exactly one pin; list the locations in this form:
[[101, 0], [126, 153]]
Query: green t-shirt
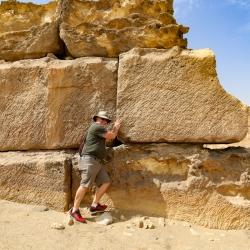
[[95, 142]]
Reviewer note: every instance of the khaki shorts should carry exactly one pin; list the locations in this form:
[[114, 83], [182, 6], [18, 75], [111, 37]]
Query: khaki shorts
[[92, 172]]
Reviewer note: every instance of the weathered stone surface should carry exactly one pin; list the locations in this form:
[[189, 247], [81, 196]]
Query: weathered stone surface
[[174, 96], [107, 28], [183, 182], [36, 177], [48, 104], [28, 30], [244, 143]]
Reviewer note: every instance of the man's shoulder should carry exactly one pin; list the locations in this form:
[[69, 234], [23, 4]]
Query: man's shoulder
[[96, 127]]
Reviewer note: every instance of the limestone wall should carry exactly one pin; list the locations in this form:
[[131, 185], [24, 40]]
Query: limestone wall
[[184, 182], [163, 92], [48, 103]]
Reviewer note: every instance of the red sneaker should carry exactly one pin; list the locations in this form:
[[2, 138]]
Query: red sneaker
[[77, 216], [98, 208]]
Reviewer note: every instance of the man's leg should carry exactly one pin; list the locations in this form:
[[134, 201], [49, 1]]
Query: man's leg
[[103, 182], [100, 192], [81, 191], [75, 212]]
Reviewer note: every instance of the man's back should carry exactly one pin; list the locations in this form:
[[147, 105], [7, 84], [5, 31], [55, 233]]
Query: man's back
[[95, 142]]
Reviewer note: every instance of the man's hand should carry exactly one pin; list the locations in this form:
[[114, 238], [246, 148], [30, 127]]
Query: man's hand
[[117, 125], [110, 135]]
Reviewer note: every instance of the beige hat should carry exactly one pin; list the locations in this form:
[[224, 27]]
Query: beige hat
[[102, 114]]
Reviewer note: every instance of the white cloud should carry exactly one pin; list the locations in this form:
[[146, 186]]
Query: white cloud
[[242, 3], [245, 28], [183, 6]]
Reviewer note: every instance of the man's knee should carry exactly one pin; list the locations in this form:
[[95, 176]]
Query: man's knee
[[82, 188], [106, 184]]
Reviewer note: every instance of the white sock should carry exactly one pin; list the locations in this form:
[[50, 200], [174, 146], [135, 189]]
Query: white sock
[[94, 204], [73, 210]]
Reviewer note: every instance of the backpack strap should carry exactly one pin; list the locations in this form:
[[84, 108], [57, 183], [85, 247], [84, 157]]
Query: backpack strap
[[82, 142]]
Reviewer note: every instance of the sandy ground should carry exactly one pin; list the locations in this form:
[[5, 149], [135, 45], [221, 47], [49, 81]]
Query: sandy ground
[[29, 227]]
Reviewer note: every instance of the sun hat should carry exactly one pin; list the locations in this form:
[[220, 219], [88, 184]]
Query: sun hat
[[102, 114]]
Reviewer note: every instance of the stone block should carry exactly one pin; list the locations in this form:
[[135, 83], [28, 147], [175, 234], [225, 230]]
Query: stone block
[[42, 178], [48, 103], [243, 143], [28, 30], [107, 28], [175, 96]]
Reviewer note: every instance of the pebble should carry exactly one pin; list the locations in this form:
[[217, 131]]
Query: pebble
[[149, 225], [122, 217], [144, 222], [70, 222], [139, 223], [162, 222], [57, 226], [51, 55], [40, 209]]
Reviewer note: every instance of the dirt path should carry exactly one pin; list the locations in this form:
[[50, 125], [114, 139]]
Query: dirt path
[[29, 227]]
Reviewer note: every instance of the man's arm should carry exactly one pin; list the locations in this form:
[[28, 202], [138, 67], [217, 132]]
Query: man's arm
[[111, 134]]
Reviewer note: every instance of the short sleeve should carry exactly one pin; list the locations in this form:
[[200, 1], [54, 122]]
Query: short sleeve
[[99, 131]]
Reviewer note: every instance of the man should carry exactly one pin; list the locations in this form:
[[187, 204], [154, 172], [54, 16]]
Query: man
[[90, 164]]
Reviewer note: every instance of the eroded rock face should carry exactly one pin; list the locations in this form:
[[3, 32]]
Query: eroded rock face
[[36, 178], [28, 30], [183, 182], [49, 104], [174, 96], [107, 28], [244, 143]]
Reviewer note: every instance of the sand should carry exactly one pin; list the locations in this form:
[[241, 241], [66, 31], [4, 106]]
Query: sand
[[29, 227]]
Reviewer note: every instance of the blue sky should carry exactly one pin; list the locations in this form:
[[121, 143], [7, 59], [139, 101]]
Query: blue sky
[[224, 27]]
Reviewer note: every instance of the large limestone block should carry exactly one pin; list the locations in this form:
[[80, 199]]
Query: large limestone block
[[36, 177], [244, 143], [107, 28], [175, 96], [28, 30], [183, 182], [48, 103]]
